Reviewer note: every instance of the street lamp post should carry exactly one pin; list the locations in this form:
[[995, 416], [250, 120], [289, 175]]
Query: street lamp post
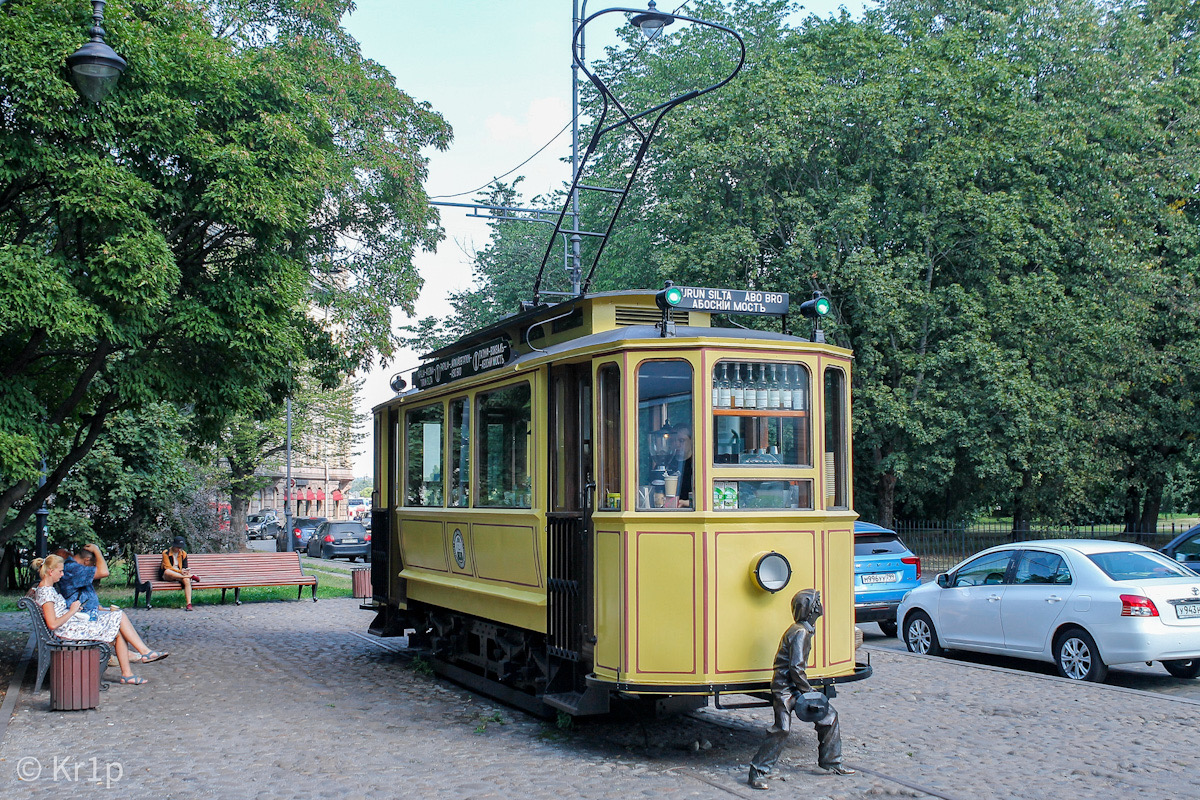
[[287, 488], [96, 67]]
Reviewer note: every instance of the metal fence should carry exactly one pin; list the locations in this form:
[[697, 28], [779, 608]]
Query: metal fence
[[941, 545]]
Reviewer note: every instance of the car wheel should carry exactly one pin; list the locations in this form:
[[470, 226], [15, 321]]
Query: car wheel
[[889, 628], [919, 635], [1183, 668], [353, 559], [1077, 657]]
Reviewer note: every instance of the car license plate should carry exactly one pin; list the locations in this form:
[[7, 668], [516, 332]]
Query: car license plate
[[1187, 610], [880, 577], [349, 541]]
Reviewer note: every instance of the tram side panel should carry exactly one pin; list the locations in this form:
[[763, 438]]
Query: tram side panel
[[679, 610]]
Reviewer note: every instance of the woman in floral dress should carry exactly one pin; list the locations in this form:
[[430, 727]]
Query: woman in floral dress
[[69, 622]]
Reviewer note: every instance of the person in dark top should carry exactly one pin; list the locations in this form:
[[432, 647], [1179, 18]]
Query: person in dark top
[[789, 684], [682, 464]]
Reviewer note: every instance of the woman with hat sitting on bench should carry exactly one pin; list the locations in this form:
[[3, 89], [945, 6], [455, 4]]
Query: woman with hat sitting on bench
[[175, 568]]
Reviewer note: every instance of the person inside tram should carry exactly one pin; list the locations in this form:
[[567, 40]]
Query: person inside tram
[[681, 465]]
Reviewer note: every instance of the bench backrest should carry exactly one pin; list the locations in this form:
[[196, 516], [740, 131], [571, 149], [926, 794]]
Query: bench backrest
[[39, 621], [215, 567]]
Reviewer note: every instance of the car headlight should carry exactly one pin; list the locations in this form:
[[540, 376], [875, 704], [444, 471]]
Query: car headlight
[[772, 572]]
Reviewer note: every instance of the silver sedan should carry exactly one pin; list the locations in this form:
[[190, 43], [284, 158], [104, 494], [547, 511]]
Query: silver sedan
[[1081, 604]]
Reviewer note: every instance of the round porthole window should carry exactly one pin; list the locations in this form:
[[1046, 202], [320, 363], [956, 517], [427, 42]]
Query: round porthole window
[[772, 572]]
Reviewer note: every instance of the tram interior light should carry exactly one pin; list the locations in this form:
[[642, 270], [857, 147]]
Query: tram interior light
[[772, 572]]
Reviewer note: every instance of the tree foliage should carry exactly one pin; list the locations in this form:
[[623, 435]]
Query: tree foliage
[[1000, 197], [166, 245]]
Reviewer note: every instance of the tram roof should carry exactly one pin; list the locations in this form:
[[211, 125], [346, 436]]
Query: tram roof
[[530, 316], [593, 333]]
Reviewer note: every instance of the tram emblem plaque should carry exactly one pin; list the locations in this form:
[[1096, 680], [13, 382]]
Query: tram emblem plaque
[[490, 355]]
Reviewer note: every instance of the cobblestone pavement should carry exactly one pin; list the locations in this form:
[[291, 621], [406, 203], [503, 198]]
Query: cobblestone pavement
[[288, 699]]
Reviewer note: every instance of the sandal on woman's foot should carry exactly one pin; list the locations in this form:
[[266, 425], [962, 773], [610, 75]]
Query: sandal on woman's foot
[[152, 656], [188, 607], [132, 680]]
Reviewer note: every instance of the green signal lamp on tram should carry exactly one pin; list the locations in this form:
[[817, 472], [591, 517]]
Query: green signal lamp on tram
[[814, 309], [669, 297]]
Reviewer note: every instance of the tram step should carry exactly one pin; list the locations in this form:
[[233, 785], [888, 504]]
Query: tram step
[[592, 701]]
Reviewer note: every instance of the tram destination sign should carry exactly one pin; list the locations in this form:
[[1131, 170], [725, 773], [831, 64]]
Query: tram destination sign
[[732, 301], [490, 355]]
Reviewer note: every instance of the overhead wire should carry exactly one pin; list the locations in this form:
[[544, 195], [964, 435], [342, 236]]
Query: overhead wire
[[563, 130]]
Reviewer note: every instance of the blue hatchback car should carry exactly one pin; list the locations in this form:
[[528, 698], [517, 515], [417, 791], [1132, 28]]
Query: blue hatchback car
[[884, 571]]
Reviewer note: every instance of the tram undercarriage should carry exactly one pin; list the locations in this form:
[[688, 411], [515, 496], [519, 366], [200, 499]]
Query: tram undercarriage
[[510, 664]]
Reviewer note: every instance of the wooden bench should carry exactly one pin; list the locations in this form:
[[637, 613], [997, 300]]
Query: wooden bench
[[47, 642], [226, 571]]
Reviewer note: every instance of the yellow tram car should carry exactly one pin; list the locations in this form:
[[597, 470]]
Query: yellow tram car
[[598, 498]]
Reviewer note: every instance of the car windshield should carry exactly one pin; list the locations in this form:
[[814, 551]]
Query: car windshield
[[1135, 565], [346, 528], [873, 544], [254, 518]]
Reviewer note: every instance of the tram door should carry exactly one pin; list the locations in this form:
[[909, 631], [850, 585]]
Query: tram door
[[569, 522]]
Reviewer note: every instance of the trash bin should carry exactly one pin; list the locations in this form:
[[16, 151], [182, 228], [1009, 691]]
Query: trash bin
[[74, 678], [361, 577]]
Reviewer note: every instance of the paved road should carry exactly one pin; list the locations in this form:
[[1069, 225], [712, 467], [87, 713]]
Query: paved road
[[1153, 678], [288, 699]]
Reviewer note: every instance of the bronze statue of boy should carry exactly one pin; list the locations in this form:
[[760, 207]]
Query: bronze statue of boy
[[790, 687]]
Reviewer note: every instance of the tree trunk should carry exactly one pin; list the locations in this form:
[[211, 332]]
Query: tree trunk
[[8, 569], [1133, 507], [1021, 522], [1151, 504], [237, 514], [885, 496]]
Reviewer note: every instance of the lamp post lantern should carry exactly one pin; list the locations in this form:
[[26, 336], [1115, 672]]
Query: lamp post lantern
[[96, 67], [651, 21]]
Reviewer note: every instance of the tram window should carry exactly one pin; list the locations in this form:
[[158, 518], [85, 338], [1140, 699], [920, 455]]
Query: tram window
[[423, 442], [608, 451], [460, 453], [836, 438], [502, 430], [665, 476], [761, 413]]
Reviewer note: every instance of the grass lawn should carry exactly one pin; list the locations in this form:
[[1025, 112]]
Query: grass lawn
[[114, 591]]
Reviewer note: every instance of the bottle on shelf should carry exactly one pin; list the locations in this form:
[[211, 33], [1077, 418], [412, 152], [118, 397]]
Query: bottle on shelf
[[751, 388], [773, 397], [760, 388], [723, 388], [800, 390], [737, 390]]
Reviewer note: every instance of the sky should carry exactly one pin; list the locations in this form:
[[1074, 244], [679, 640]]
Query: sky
[[500, 73]]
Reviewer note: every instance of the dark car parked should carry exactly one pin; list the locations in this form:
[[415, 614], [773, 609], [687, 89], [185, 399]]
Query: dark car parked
[[348, 540], [1185, 548], [302, 531], [884, 571]]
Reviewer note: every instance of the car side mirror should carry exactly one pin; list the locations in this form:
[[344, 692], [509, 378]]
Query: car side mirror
[[943, 580]]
